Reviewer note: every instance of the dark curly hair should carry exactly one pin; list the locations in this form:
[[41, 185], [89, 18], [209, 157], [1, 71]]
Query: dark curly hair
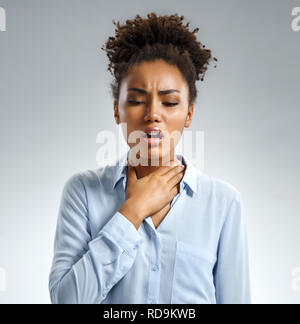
[[155, 37]]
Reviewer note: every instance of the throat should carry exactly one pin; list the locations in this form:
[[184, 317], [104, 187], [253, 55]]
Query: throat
[[144, 170]]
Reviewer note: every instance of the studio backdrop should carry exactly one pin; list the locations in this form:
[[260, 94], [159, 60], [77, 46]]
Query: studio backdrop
[[55, 98]]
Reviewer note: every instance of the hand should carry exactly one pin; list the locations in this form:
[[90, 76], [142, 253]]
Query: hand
[[150, 194]]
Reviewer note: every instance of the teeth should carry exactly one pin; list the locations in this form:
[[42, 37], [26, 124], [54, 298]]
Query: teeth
[[153, 134]]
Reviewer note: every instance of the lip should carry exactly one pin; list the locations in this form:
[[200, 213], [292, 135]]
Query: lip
[[153, 129], [152, 142]]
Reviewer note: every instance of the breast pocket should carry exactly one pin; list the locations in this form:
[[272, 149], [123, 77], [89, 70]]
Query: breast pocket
[[193, 275]]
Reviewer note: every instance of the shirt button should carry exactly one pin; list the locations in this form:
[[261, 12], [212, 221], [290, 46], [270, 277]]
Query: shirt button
[[135, 247], [154, 267]]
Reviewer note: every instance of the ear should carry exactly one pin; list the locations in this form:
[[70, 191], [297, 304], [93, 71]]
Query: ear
[[116, 113], [189, 116]]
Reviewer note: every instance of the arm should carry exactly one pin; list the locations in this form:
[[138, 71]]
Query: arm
[[84, 270], [231, 272]]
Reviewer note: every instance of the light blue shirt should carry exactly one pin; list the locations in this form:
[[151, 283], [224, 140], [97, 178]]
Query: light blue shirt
[[198, 254]]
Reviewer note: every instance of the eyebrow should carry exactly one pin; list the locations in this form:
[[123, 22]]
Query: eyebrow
[[160, 91]]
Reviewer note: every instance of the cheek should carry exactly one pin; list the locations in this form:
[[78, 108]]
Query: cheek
[[175, 126], [176, 122], [130, 115]]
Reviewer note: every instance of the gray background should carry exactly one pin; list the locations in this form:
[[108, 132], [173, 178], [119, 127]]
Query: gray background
[[55, 98]]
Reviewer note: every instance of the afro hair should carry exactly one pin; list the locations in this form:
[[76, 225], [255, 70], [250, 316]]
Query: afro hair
[[157, 37]]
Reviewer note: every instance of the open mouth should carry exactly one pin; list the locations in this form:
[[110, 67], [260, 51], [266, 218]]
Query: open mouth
[[153, 138], [154, 135]]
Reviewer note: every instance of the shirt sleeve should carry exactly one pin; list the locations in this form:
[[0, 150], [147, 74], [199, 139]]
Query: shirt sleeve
[[84, 269], [231, 273]]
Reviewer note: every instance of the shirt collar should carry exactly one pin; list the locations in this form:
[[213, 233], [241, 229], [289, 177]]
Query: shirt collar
[[189, 178]]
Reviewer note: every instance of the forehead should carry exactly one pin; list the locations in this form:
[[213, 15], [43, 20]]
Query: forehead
[[156, 75]]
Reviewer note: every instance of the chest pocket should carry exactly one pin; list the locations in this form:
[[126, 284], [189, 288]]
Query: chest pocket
[[193, 275]]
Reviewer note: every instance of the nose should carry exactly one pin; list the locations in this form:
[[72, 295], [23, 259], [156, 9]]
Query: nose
[[151, 114]]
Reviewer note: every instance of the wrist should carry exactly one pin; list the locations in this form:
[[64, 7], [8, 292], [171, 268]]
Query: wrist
[[132, 211]]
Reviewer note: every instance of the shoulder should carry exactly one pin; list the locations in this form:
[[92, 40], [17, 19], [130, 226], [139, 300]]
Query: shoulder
[[216, 187], [208, 186], [90, 179], [218, 195], [221, 197]]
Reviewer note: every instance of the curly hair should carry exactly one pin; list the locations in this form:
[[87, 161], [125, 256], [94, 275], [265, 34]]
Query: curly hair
[[157, 37]]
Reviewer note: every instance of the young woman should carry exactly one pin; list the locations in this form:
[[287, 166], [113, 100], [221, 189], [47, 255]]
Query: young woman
[[138, 232]]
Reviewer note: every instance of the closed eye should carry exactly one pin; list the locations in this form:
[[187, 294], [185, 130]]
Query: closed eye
[[135, 102], [141, 102], [170, 103]]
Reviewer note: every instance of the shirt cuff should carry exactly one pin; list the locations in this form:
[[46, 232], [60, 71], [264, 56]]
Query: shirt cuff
[[124, 232]]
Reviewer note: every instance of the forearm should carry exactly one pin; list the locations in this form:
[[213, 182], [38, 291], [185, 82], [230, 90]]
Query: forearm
[[107, 259]]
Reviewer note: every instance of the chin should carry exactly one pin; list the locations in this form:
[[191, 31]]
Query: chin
[[155, 156], [152, 155]]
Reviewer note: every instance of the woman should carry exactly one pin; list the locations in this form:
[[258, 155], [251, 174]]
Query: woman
[[144, 232]]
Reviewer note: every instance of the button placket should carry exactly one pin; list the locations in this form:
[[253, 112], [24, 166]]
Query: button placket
[[154, 276]]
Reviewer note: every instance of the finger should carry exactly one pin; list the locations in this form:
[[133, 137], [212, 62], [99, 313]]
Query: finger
[[175, 179], [174, 191], [172, 172], [164, 169]]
